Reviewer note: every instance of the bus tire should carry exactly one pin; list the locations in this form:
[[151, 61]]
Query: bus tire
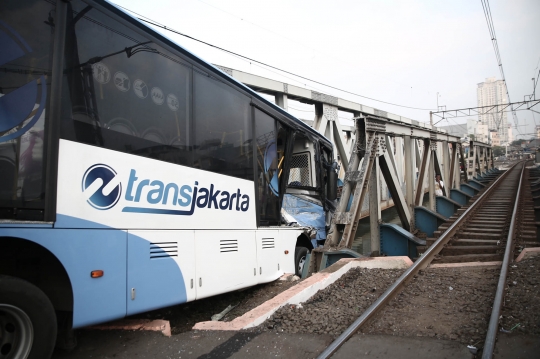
[[300, 255], [27, 319]]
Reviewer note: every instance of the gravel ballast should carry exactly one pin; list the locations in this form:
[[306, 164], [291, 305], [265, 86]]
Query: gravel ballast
[[333, 309], [184, 316], [521, 306], [442, 303]]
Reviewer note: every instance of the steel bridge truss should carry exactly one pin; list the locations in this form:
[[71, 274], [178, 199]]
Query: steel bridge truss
[[382, 147], [382, 152]]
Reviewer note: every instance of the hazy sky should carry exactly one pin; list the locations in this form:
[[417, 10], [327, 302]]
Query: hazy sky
[[402, 52]]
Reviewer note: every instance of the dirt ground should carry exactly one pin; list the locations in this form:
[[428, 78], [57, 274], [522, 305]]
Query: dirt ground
[[521, 306], [443, 303], [333, 309], [184, 316]]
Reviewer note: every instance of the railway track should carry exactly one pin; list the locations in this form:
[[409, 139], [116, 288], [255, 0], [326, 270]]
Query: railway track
[[482, 231]]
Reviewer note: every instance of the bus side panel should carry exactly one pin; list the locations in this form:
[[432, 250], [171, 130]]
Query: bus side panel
[[118, 190], [268, 258], [161, 269], [95, 300], [226, 261], [287, 241]]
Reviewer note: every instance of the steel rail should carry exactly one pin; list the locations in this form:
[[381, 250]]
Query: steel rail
[[421, 263], [489, 344]]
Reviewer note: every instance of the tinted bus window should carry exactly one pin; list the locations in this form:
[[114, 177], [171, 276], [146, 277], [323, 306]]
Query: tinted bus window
[[26, 35], [223, 139], [122, 91], [268, 158]]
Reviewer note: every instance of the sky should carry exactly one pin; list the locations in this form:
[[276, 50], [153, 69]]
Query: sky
[[412, 53]]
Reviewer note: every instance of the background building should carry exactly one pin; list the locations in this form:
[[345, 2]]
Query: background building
[[493, 92], [471, 126], [495, 140], [482, 133]]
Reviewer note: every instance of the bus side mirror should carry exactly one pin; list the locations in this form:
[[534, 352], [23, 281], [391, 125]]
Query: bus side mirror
[[331, 184]]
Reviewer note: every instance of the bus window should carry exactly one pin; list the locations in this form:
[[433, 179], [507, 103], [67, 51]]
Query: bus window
[[26, 39], [302, 172], [222, 128], [268, 159], [123, 92]]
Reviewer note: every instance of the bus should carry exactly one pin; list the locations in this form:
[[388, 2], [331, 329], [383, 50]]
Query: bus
[[135, 176]]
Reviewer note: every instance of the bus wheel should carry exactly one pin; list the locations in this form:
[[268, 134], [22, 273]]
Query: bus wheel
[[300, 254], [27, 320]]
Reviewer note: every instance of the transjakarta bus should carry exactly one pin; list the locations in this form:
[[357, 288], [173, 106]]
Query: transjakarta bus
[[134, 175]]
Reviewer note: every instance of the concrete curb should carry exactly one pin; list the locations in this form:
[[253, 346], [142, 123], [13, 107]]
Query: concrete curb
[[157, 325], [528, 253], [304, 290]]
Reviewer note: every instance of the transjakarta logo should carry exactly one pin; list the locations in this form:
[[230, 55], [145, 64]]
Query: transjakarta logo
[[101, 186], [147, 194]]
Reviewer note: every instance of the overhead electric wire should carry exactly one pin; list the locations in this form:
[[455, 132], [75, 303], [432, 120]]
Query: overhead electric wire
[[336, 58], [491, 28], [157, 24]]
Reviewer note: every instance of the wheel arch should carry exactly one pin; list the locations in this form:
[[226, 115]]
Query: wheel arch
[[28, 260], [304, 241]]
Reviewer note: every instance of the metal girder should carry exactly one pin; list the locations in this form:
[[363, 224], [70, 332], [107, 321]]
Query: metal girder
[[431, 182], [375, 218], [426, 158], [464, 162], [282, 101], [394, 186], [438, 169], [478, 144], [362, 181], [477, 164], [340, 214], [338, 140], [410, 172], [395, 128], [446, 163], [453, 164], [320, 123]]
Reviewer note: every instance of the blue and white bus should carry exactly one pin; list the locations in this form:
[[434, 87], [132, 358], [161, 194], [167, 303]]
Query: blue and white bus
[[134, 175]]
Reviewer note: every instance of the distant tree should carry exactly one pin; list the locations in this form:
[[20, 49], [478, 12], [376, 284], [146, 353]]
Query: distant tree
[[471, 136], [498, 151], [517, 142]]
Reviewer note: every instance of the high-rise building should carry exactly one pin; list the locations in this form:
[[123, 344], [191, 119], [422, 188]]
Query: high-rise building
[[492, 92]]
